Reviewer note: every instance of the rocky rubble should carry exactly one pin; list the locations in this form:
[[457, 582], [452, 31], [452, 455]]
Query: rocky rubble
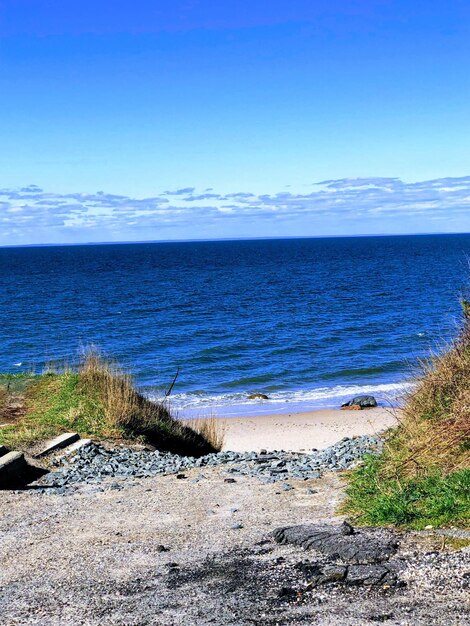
[[93, 463], [347, 555], [344, 542]]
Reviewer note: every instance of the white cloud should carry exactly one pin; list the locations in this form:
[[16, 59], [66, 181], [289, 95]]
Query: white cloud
[[363, 204]]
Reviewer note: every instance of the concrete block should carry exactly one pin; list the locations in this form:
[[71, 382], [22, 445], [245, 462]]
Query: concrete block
[[76, 446], [62, 441], [12, 467]]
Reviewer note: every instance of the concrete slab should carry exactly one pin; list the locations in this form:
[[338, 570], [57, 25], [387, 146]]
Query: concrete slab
[[76, 446], [12, 466], [62, 441]]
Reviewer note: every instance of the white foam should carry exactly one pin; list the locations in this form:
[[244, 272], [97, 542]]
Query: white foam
[[283, 401]]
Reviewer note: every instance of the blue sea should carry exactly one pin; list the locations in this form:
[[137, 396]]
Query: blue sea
[[309, 322]]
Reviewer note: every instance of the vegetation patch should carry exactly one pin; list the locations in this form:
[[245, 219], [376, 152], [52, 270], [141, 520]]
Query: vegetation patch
[[423, 476], [98, 400]]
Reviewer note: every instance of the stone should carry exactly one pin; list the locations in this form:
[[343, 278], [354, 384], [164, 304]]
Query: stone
[[286, 593], [367, 575], [329, 540], [162, 548], [258, 396], [363, 402], [320, 575]]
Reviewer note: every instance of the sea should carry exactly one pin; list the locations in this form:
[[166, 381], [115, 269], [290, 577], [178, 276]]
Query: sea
[[308, 322]]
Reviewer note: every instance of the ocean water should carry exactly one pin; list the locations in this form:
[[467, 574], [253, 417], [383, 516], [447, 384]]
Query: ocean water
[[309, 322]]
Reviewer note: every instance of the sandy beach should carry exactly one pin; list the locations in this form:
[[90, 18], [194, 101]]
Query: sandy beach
[[303, 431]]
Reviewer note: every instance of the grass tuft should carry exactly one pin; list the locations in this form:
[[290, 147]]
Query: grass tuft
[[433, 499], [423, 476]]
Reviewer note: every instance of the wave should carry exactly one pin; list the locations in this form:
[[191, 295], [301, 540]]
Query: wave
[[237, 403]]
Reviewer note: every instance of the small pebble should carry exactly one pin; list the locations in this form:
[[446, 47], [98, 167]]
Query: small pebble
[[162, 548]]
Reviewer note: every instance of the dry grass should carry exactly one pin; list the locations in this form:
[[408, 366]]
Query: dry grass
[[423, 476], [3, 401], [122, 404], [98, 399], [126, 410], [435, 425], [211, 428]]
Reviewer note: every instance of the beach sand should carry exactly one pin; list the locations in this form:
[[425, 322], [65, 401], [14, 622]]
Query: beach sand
[[303, 431]]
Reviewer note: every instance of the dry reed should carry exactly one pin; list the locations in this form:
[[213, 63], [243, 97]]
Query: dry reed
[[435, 426], [3, 400], [127, 410], [211, 428]]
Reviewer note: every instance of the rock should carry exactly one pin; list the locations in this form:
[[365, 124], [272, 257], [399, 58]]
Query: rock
[[162, 548], [348, 556], [363, 402], [358, 548], [368, 575], [286, 593], [258, 396], [229, 480], [320, 575]]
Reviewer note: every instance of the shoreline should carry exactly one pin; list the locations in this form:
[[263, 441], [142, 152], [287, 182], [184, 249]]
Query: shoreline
[[389, 395], [300, 432]]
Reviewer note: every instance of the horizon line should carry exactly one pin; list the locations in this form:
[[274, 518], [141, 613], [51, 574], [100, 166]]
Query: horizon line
[[225, 239]]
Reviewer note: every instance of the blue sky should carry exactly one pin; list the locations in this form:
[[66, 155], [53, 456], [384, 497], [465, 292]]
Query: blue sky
[[109, 108]]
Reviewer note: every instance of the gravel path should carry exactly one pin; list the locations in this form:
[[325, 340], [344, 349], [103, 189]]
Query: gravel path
[[168, 551]]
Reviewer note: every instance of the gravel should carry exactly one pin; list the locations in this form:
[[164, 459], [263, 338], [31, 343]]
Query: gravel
[[162, 552], [93, 463]]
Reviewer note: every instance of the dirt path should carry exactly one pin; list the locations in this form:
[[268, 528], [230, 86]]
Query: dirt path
[[96, 558]]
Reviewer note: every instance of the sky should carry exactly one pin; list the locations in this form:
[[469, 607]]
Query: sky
[[195, 119]]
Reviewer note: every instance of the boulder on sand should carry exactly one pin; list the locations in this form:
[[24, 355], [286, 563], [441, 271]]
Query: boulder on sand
[[360, 402]]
